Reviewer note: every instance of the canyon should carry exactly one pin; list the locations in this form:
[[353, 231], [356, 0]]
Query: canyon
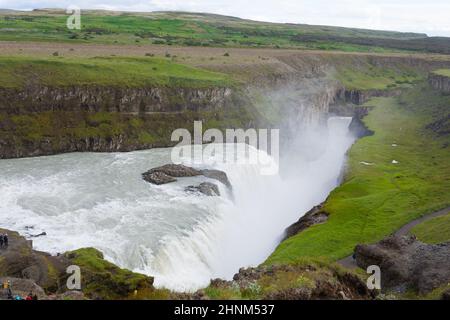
[[83, 124], [38, 119]]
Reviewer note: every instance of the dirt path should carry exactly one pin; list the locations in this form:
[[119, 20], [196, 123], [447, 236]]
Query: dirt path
[[350, 263]]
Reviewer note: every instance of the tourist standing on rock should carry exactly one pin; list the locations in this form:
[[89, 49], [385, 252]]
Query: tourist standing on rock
[[1, 240], [29, 296], [5, 239]]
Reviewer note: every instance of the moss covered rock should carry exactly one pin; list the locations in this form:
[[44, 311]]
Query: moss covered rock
[[101, 279]]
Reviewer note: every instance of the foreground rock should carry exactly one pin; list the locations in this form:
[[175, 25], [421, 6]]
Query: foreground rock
[[207, 188], [45, 275], [407, 263], [19, 260], [102, 279], [169, 172], [314, 216], [290, 282]]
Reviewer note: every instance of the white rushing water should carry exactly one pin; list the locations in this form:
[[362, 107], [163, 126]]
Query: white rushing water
[[182, 239]]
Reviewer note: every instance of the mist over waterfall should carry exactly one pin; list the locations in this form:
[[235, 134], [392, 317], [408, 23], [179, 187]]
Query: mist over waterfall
[[182, 239]]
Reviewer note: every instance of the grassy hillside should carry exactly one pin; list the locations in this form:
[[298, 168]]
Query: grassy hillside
[[134, 72], [193, 29], [431, 44], [436, 230], [372, 77], [378, 198]]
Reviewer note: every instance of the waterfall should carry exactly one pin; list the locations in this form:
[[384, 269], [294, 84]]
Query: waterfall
[[248, 228], [182, 239]]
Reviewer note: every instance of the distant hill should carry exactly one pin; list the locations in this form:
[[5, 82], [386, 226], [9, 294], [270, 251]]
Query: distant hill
[[204, 29]]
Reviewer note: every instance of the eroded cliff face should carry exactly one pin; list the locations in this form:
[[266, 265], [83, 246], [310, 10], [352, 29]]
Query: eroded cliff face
[[40, 120], [112, 99], [362, 96], [439, 82]]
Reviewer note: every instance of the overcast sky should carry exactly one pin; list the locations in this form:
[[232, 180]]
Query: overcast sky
[[431, 17]]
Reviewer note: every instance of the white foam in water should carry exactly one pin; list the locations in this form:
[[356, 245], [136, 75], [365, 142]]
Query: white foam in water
[[182, 239]]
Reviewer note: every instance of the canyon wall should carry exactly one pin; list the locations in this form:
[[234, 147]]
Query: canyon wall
[[40, 120], [288, 91], [439, 82], [112, 99]]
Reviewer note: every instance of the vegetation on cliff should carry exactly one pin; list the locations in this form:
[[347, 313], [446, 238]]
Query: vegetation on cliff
[[393, 177], [371, 77], [103, 280], [442, 72], [307, 279], [63, 131]]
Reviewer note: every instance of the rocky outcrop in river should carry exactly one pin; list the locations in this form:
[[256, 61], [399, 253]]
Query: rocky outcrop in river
[[206, 188], [169, 172]]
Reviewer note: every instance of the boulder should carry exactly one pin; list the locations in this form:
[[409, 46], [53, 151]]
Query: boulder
[[207, 188], [169, 172], [157, 178], [407, 263], [217, 175], [177, 170]]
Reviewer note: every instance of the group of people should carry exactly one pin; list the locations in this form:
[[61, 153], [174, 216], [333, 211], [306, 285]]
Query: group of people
[[3, 240], [30, 296], [7, 287]]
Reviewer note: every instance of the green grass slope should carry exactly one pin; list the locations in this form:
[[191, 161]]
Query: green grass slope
[[433, 231], [377, 199], [370, 77], [16, 72]]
